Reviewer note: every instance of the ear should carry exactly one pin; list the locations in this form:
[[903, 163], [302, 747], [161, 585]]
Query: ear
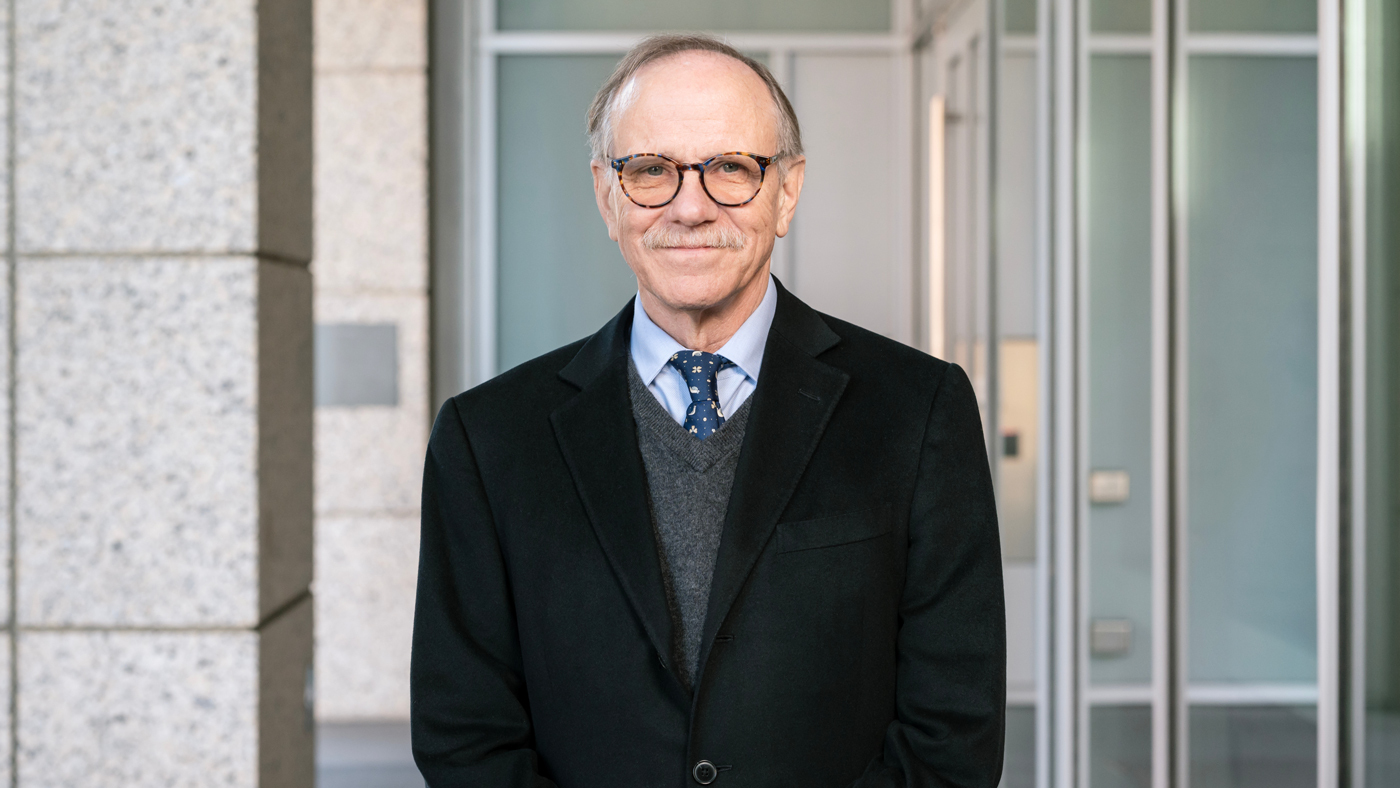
[[788, 192], [603, 192]]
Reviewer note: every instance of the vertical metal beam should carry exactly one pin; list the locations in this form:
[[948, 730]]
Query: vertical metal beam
[[1356, 88], [1066, 692], [990, 97], [451, 204], [1080, 263], [1044, 626], [484, 266], [1329, 362], [902, 65], [1161, 395], [1178, 412]]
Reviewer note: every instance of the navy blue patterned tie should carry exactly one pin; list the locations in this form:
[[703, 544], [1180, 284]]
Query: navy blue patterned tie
[[698, 368]]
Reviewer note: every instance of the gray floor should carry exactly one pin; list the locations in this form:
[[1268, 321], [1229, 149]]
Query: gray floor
[[1267, 745], [1382, 749], [365, 755]]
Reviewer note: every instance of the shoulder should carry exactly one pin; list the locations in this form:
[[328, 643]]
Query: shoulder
[[891, 367], [526, 392]]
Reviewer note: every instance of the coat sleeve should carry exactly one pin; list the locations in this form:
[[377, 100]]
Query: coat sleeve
[[951, 672], [470, 719]]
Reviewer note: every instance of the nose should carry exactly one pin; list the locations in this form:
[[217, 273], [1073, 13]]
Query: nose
[[692, 205]]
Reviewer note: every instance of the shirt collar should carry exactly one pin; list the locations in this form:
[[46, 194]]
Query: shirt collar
[[652, 347]]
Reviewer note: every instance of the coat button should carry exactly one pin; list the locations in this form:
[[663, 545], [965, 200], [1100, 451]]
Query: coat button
[[704, 772]]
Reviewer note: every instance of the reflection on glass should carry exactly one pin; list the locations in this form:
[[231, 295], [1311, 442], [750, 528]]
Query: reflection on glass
[[1253, 747], [1253, 16], [785, 15], [1119, 257], [1019, 363], [1020, 16], [1383, 402], [1120, 16], [1018, 387], [559, 278], [1120, 747], [1251, 350], [968, 297], [1016, 307]]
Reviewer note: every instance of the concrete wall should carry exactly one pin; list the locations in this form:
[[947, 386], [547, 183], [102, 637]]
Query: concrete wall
[[371, 270], [155, 350]]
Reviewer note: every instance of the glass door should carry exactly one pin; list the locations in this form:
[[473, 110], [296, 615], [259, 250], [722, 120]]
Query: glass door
[[1123, 404], [1134, 241], [1201, 328], [1249, 332]]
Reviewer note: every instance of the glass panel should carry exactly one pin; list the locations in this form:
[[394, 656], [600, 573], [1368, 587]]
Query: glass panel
[[744, 15], [1251, 312], [969, 301], [1253, 747], [1119, 251], [1020, 16], [1383, 401], [1120, 747], [848, 213], [1120, 16], [1018, 390], [1253, 16], [559, 277], [1018, 764], [1016, 307]]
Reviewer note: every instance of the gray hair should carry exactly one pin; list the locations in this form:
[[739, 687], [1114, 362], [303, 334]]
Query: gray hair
[[610, 98]]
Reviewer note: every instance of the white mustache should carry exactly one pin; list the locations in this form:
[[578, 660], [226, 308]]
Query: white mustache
[[670, 237]]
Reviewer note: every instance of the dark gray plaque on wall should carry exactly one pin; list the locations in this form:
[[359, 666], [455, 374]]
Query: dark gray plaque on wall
[[357, 364]]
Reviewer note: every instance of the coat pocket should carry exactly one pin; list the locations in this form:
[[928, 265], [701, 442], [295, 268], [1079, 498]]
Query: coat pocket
[[835, 530]]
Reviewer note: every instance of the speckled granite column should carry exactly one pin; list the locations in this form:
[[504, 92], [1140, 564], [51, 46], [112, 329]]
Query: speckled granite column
[[160, 434]]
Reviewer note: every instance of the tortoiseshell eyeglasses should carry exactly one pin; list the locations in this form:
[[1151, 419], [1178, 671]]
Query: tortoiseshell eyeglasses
[[730, 179]]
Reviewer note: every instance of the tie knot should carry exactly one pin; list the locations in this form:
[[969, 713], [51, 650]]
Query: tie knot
[[699, 369]]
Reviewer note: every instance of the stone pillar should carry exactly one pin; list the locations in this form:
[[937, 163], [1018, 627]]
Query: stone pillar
[[159, 354], [372, 412]]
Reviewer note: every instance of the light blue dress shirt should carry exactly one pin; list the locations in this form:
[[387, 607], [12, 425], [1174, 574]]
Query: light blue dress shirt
[[652, 348]]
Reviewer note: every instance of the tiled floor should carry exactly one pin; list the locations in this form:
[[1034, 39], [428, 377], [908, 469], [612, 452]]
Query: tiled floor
[[365, 755]]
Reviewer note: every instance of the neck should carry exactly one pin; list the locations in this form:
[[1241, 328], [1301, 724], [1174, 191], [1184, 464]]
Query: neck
[[707, 329]]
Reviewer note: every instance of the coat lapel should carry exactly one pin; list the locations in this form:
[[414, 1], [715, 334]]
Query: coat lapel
[[598, 439], [795, 398]]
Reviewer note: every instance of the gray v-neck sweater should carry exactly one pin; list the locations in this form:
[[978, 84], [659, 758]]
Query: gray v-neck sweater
[[688, 482]]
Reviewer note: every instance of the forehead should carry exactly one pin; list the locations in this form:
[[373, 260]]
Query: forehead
[[696, 104]]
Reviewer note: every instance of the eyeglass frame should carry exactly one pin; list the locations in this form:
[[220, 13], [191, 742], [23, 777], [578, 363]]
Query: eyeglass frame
[[763, 162]]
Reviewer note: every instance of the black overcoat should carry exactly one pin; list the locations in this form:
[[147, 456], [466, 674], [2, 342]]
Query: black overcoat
[[855, 633]]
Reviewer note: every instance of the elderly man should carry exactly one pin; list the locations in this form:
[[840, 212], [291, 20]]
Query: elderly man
[[727, 539]]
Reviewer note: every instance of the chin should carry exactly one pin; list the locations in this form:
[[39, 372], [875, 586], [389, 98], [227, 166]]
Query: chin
[[695, 293]]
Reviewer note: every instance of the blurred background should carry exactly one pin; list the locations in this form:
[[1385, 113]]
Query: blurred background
[[1162, 236]]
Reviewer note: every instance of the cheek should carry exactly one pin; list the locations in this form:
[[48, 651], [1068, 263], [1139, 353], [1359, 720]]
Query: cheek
[[631, 225], [761, 222]]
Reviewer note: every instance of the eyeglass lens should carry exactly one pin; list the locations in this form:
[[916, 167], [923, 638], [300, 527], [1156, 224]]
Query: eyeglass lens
[[729, 180]]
